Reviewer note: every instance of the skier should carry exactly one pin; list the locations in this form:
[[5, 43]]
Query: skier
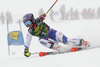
[[47, 36]]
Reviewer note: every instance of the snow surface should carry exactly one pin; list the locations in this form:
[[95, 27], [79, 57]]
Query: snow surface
[[87, 29]]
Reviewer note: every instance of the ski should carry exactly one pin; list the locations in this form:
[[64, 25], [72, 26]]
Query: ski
[[75, 49]]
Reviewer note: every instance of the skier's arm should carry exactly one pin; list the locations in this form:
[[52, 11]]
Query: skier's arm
[[28, 40], [27, 45]]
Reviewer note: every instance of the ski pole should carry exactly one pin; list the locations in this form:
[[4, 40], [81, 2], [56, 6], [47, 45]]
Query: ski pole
[[48, 10], [41, 54], [34, 53], [51, 7]]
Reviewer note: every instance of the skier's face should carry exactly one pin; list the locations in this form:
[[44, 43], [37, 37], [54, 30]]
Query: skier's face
[[30, 26]]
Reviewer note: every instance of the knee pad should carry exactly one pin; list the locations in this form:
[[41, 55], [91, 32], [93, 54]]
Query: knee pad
[[47, 43]]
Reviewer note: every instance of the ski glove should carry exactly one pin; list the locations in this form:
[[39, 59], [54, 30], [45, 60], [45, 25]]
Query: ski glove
[[26, 52], [41, 18]]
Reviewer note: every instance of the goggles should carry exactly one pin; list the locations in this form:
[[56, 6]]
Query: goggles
[[28, 23]]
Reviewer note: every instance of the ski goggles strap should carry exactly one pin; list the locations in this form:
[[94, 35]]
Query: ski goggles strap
[[28, 23]]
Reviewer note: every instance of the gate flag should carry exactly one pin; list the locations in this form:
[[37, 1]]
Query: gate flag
[[14, 37]]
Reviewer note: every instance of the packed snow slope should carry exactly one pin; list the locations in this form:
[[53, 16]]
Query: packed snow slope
[[87, 29]]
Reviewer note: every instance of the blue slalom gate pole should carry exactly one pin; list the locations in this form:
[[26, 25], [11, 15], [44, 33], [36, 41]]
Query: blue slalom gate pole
[[20, 26], [7, 37]]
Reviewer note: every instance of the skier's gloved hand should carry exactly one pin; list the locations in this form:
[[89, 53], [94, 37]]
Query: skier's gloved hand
[[26, 52], [42, 17]]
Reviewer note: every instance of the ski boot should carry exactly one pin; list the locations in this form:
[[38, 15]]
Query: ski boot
[[83, 45]]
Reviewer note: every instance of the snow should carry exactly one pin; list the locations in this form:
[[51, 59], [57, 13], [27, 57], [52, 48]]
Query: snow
[[87, 29], [78, 59]]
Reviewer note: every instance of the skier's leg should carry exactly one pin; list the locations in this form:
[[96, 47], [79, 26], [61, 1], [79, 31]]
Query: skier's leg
[[60, 37], [52, 44], [47, 42]]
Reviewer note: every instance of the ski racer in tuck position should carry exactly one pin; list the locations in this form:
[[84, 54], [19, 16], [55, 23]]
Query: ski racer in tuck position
[[48, 37]]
